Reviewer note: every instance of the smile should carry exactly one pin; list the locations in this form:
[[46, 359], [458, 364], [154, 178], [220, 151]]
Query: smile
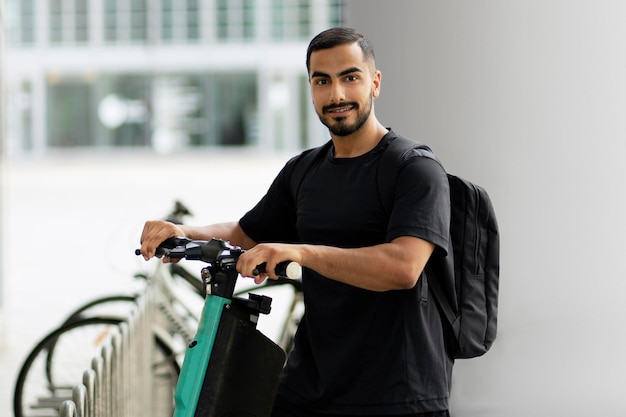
[[339, 109]]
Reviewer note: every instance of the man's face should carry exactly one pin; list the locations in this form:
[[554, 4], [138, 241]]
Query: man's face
[[343, 87]]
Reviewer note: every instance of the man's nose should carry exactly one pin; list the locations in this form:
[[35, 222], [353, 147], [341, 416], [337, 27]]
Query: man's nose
[[337, 93]]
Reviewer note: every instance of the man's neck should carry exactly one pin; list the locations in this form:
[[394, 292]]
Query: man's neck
[[360, 142]]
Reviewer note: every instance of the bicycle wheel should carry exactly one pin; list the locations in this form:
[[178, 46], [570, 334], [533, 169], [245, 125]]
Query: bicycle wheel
[[75, 344], [109, 306], [33, 392], [112, 306]]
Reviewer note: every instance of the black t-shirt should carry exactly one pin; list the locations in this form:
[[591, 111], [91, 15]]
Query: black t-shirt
[[360, 352]]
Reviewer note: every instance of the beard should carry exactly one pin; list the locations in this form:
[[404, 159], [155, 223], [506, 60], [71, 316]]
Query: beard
[[339, 126]]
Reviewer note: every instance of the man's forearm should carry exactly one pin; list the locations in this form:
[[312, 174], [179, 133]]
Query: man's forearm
[[389, 266]]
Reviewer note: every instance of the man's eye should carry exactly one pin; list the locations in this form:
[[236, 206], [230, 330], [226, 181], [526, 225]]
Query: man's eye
[[322, 82], [351, 78]]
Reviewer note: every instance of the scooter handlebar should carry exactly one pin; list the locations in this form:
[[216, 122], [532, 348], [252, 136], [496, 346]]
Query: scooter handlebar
[[217, 251]]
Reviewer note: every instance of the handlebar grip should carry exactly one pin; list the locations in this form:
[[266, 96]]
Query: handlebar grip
[[167, 245], [286, 269], [159, 251]]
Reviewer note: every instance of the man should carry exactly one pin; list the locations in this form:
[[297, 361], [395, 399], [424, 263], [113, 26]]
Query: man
[[369, 343]]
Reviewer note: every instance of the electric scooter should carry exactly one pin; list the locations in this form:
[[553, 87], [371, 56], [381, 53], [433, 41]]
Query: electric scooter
[[230, 368]]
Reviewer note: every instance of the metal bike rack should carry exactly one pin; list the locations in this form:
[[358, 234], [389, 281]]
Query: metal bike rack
[[120, 379]]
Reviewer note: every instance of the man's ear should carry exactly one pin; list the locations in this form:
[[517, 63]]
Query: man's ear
[[376, 84]]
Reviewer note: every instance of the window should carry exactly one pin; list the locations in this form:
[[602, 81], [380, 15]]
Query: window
[[110, 20], [180, 20], [193, 20], [167, 20], [69, 110], [21, 22], [68, 21], [81, 23], [235, 19], [56, 21], [125, 21], [291, 20], [335, 17], [138, 21]]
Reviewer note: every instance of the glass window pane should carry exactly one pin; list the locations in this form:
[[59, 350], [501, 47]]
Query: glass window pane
[[278, 21], [69, 114], [291, 20], [56, 21], [221, 9], [138, 21], [110, 20], [193, 20], [81, 9], [21, 22], [167, 20], [304, 20], [235, 19], [336, 12], [249, 20]]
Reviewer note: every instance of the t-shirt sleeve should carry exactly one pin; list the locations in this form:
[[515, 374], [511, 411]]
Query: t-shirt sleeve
[[421, 206], [273, 217]]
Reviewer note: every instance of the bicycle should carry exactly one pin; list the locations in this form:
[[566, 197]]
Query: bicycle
[[58, 361], [103, 305], [55, 364], [95, 320], [230, 368]]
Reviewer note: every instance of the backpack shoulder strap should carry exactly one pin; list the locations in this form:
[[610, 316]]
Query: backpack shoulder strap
[[390, 162], [303, 163], [387, 173]]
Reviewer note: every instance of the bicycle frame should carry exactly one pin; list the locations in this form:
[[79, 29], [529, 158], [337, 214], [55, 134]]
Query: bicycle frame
[[230, 368]]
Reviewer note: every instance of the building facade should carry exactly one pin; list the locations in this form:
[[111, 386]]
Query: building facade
[[165, 74]]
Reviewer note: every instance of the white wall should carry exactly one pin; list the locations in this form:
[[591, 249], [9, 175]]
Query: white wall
[[528, 99]]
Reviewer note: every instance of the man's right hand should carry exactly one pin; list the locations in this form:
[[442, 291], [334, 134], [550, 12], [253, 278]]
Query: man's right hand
[[156, 232]]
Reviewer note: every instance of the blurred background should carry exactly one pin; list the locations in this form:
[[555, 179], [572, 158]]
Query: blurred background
[[165, 74], [112, 109]]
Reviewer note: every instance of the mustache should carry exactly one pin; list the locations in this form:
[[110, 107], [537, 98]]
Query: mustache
[[326, 109]]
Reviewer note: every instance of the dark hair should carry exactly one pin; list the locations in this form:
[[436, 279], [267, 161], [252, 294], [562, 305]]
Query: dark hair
[[339, 36]]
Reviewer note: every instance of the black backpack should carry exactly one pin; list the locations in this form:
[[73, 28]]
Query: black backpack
[[476, 249], [472, 314]]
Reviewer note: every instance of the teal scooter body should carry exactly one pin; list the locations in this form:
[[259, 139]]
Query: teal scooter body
[[230, 368], [197, 358]]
